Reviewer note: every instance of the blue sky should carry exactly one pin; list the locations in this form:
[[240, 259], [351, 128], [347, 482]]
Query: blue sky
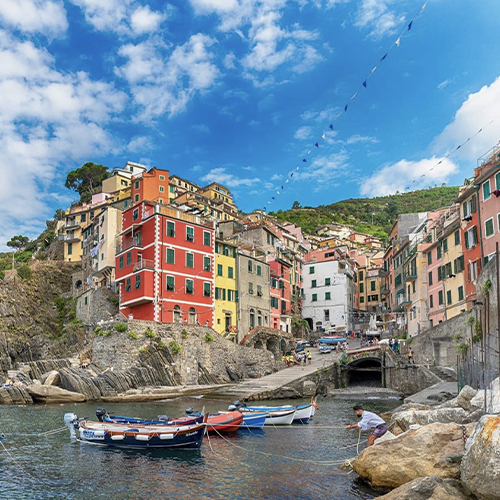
[[238, 91]]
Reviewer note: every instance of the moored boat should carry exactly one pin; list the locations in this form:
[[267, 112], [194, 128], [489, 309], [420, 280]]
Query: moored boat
[[123, 435], [252, 420], [302, 412], [274, 417], [103, 416], [225, 422]]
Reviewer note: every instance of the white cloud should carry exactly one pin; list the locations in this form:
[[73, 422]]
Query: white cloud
[[35, 16], [276, 177], [49, 123], [250, 169], [164, 82], [231, 181], [376, 16], [324, 170], [201, 128], [303, 133], [140, 143], [476, 112], [404, 174], [354, 139], [143, 20]]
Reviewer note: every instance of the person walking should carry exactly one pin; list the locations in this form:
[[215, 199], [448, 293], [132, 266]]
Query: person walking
[[309, 357], [410, 356], [369, 420]]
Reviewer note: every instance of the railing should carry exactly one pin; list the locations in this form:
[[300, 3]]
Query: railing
[[125, 245], [144, 264]]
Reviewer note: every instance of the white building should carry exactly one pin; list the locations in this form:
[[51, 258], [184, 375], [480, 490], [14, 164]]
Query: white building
[[328, 294]]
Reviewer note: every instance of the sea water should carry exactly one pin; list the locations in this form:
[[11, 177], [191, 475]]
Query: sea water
[[293, 462]]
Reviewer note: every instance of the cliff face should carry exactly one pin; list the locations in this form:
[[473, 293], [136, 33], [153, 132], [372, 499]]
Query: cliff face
[[33, 315]]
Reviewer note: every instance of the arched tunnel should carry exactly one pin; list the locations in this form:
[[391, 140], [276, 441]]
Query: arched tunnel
[[365, 371]]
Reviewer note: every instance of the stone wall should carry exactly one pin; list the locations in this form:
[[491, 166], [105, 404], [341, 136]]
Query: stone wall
[[95, 305], [409, 379]]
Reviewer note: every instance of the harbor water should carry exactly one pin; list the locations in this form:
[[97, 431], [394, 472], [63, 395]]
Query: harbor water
[[293, 462]]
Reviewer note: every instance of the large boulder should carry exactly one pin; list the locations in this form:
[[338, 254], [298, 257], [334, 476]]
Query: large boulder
[[405, 419], [464, 398], [480, 468], [433, 450], [492, 398], [52, 394], [52, 378], [428, 488]]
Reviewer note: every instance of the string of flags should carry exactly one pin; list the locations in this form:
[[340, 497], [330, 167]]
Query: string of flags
[[448, 155], [343, 110]]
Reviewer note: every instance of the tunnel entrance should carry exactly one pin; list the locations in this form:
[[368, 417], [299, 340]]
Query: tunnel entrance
[[366, 372]]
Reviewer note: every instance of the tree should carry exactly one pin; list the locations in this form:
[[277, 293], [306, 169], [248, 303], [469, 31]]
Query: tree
[[86, 180], [18, 242], [296, 205]]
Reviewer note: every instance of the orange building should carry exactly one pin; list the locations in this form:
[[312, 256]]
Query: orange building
[[154, 187]]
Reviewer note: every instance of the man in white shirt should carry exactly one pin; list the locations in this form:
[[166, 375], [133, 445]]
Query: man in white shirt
[[369, 420]]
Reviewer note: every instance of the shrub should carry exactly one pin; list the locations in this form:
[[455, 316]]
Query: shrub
[[102, 333], [24, 272], [470, 320], [2, 274], [485, 290], [184, 334], [478, 332], [120, 327], [462, 348], [175, 347], [76, 322], [209, 337], [149, 333], [161, 345], [133, 335]]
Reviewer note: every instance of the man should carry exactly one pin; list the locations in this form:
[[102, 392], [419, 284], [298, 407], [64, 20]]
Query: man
[[410, 356], [369, 420]]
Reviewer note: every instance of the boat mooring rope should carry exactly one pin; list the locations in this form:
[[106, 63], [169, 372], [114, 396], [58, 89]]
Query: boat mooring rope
[[33, 478]]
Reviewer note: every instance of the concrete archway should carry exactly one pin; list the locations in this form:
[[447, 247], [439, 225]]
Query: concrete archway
[[365, 371]]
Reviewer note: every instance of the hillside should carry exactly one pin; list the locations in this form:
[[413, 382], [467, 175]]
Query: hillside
[[373, 216]]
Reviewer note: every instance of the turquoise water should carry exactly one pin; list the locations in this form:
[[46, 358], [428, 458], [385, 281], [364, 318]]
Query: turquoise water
[[275, 463]]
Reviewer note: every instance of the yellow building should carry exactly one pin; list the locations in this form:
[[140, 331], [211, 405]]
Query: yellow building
[[178, 186], [226, 318]]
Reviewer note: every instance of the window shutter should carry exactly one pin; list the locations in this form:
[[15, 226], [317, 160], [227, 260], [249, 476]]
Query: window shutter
[[473, 204], [474, 235]]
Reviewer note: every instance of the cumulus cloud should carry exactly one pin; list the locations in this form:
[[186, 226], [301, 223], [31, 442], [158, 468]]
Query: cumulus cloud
[[139, 143], [356, 138], [144, 20], [222, 177], [325, 170], [377, 17], [47, 17], [303, 133], [404, 173]]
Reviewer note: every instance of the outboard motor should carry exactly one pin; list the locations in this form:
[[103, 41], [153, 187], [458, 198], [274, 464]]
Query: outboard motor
[[189, 411], [100, 413], [163, 418], [71, 421]]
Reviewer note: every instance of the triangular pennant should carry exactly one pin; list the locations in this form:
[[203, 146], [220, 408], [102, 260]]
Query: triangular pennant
[[323, 136], [374, 69], [459, 146], [331, 126], [304, 160], [286, 182], [364, 84], [398, 42], [338, 116], [272, 198], [383, 57], [277, 192], [409, 26], [296, 168], [282, 188], [317, 145], [423, 8], [354, 96], [291, 175], [345, 109]]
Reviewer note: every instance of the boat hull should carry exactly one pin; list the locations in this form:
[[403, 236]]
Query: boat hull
[[225, 422], [302, 412], [284, 417]]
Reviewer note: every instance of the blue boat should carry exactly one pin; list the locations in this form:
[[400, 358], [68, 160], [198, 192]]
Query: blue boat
[[103, 416], [331, 340], [254, 421], [302, 412]]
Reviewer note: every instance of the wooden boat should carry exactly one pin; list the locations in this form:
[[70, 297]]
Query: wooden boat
[[252, 421], [224, 422], [103, 416], [302, 412], [136, 436], [274, 417], [331, 339]]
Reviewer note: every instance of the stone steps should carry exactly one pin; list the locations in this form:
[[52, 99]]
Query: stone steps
[[444, 373]]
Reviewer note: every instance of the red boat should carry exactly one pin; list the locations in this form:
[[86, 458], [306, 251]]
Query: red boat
[[225, 422]]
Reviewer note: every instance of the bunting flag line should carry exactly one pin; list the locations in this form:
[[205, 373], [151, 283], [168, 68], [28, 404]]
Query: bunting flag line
[[364, 85], [407, 188]]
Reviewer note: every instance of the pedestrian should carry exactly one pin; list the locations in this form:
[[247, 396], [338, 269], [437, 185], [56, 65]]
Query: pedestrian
[[368, 421], [410, 356], [309, 357]]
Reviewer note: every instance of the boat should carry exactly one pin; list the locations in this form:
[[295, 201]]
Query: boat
[[103, 416], [122, 435], [225, 422], [302, 412], [332, 339], [325, 349], [281, 417]]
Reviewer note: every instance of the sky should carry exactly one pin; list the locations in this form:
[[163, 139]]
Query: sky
[[240, 91]]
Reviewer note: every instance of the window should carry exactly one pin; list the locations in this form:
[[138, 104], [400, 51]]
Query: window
[[120, 260], [274, 302], [429, 257], [440, 297], [250, 266], [430, 278], [190, 286], [473, 270], [206, 238], [230, 272], [207, 290], [457, 237], [170, 256], [486, 190], [206, 264], [170, 228], [471, 237], [327, 281], [136, 185], [162, 189], [136, 198], [489, 228], [138, 281], [125, 204], [361, 300], [372, 286], [252, 318], [219, 269], [470, 206], [127, 285], [83, 217], [326, 313], [162, 177], [438, 250], [448, 297], [445, 245], [497, 181], [328, 296], [217, 293], [361, 276], [230, 295], [259, 270], [460, 293], [189, 233], [135, 213], [314, 297], [129, 258], [250, 288], [189, 259], [361, 288], [311, 270], [192, 316], [170, 283], [259, 291], [70, 248], [313, 283]]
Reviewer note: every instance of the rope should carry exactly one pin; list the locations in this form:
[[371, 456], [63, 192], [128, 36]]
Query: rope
[[39, 434], [20, 466]]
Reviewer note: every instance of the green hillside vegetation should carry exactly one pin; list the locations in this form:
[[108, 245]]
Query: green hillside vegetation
[[373, 216]]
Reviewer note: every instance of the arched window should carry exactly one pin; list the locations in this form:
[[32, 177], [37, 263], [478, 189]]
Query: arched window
[[192, 316], [177, 314], [259, 318], [252, 318]]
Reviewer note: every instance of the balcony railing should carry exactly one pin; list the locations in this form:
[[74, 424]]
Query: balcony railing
[[69, 238], [129, 243], [384, 291], [144, 264], [412, 276]]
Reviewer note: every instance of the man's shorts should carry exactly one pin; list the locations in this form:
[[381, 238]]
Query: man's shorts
[[380, 430]]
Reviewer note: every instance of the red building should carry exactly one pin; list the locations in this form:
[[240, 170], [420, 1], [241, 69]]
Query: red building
[[470, 238], [164, 265], [281, 295], [150, 186]]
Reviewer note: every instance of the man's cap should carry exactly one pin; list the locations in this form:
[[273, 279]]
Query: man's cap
[[357, 407]]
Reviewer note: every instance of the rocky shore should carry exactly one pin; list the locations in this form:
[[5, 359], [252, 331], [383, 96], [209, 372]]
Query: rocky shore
[[445, 452]]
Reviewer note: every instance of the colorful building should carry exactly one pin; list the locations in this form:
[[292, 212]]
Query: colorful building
[[150, 186], [281, 305]]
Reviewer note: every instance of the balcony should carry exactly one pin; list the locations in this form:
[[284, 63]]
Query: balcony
[[144, 264], [384, 291], [403, 301], [69, 238], [412, 276], [129, 243], [71, 224]]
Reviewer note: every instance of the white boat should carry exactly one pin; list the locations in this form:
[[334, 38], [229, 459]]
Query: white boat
[[302, 412], [280, 417]]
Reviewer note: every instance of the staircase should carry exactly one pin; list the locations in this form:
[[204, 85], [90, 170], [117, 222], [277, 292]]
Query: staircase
[[444, 373]]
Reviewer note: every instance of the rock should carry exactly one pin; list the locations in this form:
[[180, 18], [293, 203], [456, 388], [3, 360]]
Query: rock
[[52, 394], [492, 398], [286, 392], [53, 378], [428, 488], [480, 468], [465, 396], [308, 388], [433, 450], [386, 437], [405, 419], [441, 396], [15, 395]]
